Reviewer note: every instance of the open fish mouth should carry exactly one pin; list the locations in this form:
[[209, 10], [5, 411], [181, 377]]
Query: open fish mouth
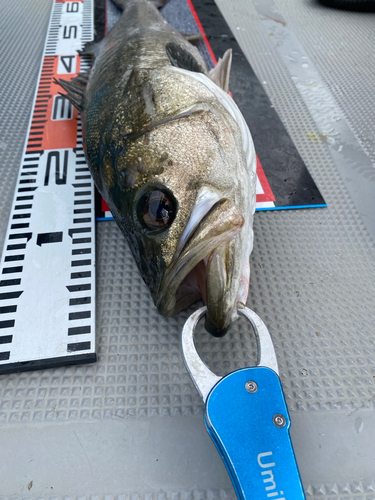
[[206, 265]]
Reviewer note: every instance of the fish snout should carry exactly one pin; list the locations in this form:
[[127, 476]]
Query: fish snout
[[224, 273], [223, 280], [208, 267]]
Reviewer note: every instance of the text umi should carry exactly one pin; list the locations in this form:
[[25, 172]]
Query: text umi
[[269, 479]]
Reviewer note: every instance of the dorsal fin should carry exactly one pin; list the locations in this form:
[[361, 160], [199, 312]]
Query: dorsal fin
[[75, 89], [90, 49], [181, 58], [221, 72]]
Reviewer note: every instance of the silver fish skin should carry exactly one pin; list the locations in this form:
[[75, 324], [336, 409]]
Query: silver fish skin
[[172, 156]]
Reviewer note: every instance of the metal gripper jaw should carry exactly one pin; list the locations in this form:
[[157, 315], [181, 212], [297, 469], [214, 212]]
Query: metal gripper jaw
[[247, 417]]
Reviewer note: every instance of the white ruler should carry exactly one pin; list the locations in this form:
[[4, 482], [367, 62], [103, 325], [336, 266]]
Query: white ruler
[[47, 282]]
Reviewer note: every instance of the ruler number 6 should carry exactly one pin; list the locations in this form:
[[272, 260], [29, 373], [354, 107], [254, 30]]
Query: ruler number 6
[[54, 157]]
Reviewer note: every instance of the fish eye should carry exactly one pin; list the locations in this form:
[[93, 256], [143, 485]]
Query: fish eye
[[156, 209]]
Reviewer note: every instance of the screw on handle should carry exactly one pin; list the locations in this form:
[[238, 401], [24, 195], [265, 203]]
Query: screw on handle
[[251, 386]]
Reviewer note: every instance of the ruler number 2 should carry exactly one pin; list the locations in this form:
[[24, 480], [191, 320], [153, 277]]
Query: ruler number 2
[[54, 157]]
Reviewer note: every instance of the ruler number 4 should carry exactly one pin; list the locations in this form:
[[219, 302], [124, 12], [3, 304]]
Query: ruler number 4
[[54, 157]]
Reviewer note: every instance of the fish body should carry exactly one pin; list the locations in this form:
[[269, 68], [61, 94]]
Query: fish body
[[173, 158]]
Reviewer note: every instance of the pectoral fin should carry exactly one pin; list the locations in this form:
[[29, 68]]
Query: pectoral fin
[[121, 4], [181, 58], [192, 38], [221, 72]]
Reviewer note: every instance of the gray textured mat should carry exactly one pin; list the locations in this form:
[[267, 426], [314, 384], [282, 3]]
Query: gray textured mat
[[131, 426]]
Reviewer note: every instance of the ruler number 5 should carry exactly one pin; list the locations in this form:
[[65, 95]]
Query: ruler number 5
[[54, 157]]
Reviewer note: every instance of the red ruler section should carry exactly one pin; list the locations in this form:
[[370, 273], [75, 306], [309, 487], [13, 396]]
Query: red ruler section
[[54, 121]]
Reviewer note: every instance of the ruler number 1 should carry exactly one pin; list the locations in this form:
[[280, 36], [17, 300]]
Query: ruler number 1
[[54, 157], [72, 7]]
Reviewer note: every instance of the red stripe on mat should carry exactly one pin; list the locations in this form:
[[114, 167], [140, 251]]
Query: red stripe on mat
[[268, 194], [267, 191]]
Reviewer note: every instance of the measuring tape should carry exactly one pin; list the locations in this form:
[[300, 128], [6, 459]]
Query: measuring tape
[[47, 282]]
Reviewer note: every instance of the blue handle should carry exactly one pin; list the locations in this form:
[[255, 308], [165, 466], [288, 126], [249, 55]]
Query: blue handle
[[257, 452]]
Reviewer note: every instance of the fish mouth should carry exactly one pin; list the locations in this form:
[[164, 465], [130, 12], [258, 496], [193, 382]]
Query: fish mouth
[[207, 265]]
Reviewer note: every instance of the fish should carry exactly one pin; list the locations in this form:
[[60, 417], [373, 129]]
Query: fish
[[173, 157]]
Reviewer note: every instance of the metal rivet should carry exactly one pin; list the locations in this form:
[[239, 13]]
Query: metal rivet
[[251, 386], [279, 420]]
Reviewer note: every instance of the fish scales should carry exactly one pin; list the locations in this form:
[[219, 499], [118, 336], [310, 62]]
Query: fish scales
[[173, 158]]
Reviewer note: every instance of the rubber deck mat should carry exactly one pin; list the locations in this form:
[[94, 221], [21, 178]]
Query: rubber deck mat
[[130, 427]]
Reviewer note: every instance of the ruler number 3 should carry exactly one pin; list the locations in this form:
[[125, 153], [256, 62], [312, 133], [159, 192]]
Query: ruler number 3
[[54, 158]]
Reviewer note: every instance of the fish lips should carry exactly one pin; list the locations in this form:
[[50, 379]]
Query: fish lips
[[211, 258]]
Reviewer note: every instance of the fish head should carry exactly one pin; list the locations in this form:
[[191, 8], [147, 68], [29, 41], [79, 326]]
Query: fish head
[[179, 187]]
